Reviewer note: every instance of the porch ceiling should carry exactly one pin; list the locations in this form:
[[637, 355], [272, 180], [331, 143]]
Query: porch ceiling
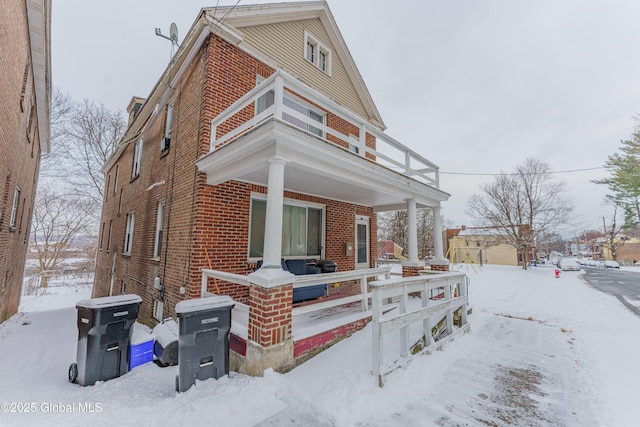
[[314, 166]]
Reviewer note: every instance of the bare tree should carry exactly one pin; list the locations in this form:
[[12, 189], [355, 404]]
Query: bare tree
[[84, 134], [62, 107], [57, 219], [613, 238], [92, 134], [394, 226], [522, 206]]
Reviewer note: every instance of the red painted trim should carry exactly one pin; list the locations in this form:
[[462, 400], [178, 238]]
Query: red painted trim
[[307, 344], [238, 345]]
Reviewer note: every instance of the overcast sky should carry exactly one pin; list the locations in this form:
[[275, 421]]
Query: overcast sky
[[475, 86]]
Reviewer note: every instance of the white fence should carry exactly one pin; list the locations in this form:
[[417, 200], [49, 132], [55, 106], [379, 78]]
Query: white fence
[[385, 319], [313, 279]]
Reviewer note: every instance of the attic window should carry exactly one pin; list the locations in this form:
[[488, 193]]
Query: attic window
[[316, 53]]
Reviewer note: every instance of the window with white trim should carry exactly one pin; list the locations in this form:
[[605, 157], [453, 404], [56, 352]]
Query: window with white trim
[[166, 141], [128, 235], [316, 53], [137, 158], [104, 224], [302, 229], [14, 207], [158, 310], [109, 236], [115, 181], [157, 247]]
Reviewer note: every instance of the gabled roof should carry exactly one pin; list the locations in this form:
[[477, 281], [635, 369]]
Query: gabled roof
[[227, 22], [239, 17]]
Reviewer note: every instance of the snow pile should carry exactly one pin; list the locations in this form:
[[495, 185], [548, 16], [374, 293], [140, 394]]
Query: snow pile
[[541, 352]]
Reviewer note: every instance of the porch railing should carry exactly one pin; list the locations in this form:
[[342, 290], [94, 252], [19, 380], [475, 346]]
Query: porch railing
[[388, 152], [362, 276], [455, 297]]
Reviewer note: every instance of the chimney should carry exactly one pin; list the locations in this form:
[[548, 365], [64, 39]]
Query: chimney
[[134, 108]]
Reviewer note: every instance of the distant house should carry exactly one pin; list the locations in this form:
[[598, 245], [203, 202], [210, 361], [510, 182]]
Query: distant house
[[481, 246], [627, 249], [259, 144], [25, 98]]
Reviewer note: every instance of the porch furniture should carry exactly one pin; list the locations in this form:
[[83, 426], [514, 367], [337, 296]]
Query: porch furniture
[[299, 267], [327, 266]]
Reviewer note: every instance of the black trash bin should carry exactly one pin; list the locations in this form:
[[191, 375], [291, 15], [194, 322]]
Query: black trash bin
[[104, 336], [203, 342], [327, 266]]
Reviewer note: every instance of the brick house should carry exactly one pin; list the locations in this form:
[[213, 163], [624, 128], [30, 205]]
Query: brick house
[[260, 142], [25, 98]]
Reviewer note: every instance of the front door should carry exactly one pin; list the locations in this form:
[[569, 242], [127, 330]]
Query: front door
[[362, 242]]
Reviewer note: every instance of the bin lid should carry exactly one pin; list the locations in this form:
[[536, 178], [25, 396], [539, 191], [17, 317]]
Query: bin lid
[[199, 304], [112, 301]]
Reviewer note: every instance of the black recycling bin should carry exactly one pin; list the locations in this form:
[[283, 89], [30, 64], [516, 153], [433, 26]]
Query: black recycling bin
[[327, 266], [105, 326], [203, 341]]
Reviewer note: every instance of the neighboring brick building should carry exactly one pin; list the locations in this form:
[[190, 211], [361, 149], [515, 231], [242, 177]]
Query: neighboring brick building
[[25, 98], [259, 142]]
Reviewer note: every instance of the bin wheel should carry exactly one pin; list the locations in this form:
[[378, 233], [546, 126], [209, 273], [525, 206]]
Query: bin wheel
[[73, 372]]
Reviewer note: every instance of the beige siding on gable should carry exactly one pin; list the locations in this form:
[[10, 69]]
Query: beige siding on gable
[[283, 43]]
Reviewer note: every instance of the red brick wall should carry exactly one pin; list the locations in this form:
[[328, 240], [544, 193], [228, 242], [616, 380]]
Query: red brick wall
[[270, 318], [19, 148], [200, 219]]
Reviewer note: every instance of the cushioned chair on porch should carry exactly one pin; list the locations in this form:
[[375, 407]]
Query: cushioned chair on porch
[[299, 267]]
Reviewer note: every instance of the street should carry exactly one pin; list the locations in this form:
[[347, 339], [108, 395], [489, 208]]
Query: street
[[624, 285]]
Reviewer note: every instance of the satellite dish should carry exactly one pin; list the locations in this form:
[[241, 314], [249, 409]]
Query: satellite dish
[[173, 33]]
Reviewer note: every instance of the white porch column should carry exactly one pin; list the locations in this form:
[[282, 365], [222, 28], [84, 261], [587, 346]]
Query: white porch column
[[273, 223], [437, 236], [412, 230], [412, 266]]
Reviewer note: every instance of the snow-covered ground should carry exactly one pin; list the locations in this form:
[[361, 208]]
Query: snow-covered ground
[[541, 352]]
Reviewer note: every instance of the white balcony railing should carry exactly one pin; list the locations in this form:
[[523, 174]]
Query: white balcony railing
[[388, 152]]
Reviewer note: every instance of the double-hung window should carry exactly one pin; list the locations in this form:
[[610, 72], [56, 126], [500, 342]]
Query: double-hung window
[[302, 229], [157, 247], [14, 207], [128, 236], [316, 53], [137, 158], [166, 141]]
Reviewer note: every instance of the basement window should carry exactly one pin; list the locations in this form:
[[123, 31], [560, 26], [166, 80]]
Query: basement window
[[14, 208]]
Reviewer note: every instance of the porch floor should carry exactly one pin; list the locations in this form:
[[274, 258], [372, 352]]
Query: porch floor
[[305, 325]]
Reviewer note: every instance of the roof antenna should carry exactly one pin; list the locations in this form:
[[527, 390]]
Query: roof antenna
[[173, 36]]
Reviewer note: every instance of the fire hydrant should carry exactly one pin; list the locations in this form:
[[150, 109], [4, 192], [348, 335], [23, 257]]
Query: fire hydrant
[[557, 273]]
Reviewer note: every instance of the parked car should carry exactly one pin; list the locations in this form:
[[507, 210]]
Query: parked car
[[610, 264], [569, 264]]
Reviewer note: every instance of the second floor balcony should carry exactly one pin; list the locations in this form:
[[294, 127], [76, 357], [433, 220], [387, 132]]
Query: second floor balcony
[[329, 151]]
